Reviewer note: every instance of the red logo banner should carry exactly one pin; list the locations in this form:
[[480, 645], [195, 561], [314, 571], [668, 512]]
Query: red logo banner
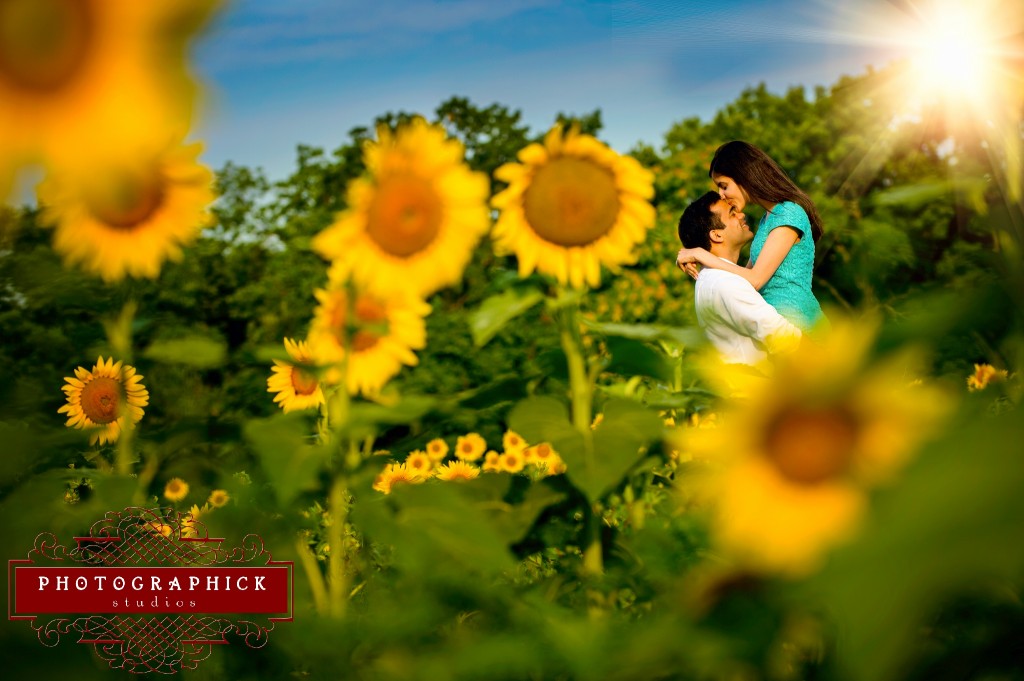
[[150, 590]]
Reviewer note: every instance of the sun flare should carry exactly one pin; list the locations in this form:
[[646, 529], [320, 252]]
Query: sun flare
[[957, 54]]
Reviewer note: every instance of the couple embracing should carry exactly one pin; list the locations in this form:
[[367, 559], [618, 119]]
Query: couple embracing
[[766, 307]]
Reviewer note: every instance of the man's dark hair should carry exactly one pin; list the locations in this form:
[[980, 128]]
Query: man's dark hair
[[697, 221]]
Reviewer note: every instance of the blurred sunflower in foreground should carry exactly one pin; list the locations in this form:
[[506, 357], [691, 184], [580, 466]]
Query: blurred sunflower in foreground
[[76, 72], [793, 457], [296, 383], [413, 221], [381, 333], [126, 214], [572, 204], [109, 399]]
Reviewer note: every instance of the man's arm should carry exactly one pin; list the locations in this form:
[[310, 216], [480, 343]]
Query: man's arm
[[744, 310]]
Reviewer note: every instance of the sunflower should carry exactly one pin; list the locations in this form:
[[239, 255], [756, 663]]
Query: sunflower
[[513, 442], [457, 470], [437, 449], [218, 498], [395, 474], [419, 464], [511, 462], [791, 461], [492, 462], [413, 222], [572, 204], [556, 466], [470, 447], [159, 528], [76, 75], [190, 521], [109, 398], [381, 331], [541, 454], [295, 383], [121, 215], [983, 375], [176, 489]]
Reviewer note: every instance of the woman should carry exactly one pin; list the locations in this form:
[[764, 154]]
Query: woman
[[782, 252]]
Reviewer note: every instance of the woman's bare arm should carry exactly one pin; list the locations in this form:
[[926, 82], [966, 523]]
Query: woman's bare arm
[[776, 247]]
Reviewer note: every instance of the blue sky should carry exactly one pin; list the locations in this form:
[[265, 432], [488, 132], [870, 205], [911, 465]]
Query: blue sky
[[283, 72]]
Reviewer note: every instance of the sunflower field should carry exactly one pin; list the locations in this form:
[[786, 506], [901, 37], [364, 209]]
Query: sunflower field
[[450, 370]]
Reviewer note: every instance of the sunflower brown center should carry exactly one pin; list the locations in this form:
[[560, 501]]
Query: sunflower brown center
[[543, 451], [368, 312], [101, 399], [304, 382], [812, 446], [126, 198], [404, 215], [571, 202], [44, 43]]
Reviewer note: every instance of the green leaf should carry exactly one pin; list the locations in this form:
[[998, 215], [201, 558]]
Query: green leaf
[[954, 520], [290, 464], [648, 332], [495, 312], [434, 528], [410, 408], [500, 389], [545, 419], [196, 351], [660, 397], [632, 357], [626, 428], [510, 520], [932, 190]]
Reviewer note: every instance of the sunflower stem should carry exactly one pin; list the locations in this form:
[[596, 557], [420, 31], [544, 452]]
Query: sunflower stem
[[337, 577], [316, 578], [340, 404], [119, 335], [581, 395]]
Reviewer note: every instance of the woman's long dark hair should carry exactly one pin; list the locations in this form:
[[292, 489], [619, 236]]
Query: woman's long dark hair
[[762, 179]]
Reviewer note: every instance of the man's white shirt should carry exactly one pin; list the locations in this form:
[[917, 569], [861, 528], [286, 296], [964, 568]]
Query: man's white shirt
[[737, 320]]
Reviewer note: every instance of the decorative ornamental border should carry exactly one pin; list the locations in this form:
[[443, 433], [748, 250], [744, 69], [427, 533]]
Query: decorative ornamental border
[[152, 639]]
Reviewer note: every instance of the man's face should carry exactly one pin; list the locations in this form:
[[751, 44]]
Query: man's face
[[735, 231]]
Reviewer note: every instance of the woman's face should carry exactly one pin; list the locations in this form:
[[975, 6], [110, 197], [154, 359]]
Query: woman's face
[[730, 191]]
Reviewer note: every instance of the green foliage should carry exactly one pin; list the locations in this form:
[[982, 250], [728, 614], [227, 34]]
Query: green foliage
[[493, 577], [499, 310]]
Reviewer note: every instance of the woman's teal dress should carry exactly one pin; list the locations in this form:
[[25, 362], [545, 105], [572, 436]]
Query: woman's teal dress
[[789, 289]]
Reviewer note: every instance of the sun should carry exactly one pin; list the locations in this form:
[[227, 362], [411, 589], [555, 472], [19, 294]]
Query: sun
[[956, 55]]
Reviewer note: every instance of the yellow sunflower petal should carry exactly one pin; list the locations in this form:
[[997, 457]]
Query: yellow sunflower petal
[[80, 75], [103, 400], [125, 217], [388, 330], [413, 222], [567, 200]]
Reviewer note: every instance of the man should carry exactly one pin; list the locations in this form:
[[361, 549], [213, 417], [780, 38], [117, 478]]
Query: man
[[737, 320]]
